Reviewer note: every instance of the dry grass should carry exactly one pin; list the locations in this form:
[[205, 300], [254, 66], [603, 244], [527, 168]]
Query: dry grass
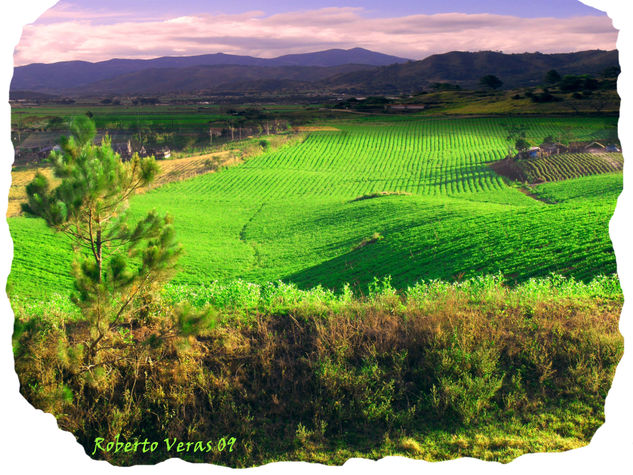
[[170, 170], [312, 128]]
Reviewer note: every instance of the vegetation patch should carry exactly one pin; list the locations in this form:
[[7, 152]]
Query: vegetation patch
[[439, 371], [317, 128]]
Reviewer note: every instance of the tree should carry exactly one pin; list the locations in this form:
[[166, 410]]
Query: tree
[[552, 77], [514, 133], [522, 145], [611, 72], [566, 134], [117, 265], [571, 83], [599, 101], [491, 81]]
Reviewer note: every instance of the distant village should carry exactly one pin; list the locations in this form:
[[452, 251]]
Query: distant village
[[35, 146]]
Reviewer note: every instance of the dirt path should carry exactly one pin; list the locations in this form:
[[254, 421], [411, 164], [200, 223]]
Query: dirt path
[[256, 256], [528, 192]]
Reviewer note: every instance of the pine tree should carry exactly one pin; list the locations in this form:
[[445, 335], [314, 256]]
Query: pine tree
[[117, 265]]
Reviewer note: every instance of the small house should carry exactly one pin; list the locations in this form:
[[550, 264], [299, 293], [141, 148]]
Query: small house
[[162, 153], [534, 152], [553, 148], [612, 148]]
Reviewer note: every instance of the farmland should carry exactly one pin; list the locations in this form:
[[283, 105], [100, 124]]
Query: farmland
[[375, 287], [432, 208], [557, 167]]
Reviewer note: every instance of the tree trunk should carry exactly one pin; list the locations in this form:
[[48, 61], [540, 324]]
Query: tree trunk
[[99, 259]]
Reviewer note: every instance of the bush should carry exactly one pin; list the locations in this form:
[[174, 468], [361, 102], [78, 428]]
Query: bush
[[286, 368]]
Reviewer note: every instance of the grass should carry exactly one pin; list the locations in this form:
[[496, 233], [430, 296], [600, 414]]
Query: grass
[[243, 298], [293, 213]]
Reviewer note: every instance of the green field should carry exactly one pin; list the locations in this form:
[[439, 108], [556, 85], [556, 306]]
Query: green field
[[294, 214]]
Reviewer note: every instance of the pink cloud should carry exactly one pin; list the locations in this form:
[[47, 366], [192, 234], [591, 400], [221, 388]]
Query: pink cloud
[[251, 33]]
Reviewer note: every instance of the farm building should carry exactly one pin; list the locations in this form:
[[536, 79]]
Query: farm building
[[595, 147], [124, 149], [553, 148], [161, 153], [534, 152], [217, 131]]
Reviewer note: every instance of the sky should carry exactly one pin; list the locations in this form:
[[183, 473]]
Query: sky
[[95, 30]]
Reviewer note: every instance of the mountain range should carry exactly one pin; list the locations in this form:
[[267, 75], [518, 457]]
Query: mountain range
[[336, 71], [67, 76]]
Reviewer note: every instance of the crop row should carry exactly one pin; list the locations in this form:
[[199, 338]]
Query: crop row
[[565, 166]]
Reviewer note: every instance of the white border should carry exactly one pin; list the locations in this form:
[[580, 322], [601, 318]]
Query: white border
[[31, 442]]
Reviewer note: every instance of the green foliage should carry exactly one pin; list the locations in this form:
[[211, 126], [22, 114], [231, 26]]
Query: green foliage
[[611, 72], [468, 381], [515, 136], [491, 81], [571, 83], [552, 77], [522, 145]]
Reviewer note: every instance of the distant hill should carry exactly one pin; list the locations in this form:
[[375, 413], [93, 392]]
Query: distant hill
[[354, 71], [466, 69], [210, 79], [69, 75]]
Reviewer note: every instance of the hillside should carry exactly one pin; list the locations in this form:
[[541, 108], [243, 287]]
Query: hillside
[[214, 79], [466, 69]]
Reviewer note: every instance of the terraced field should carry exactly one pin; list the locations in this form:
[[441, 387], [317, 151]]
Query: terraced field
[[569, 165], [294, 214]]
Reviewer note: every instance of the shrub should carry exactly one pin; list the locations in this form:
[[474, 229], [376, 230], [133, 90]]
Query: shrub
[[313, 369]]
